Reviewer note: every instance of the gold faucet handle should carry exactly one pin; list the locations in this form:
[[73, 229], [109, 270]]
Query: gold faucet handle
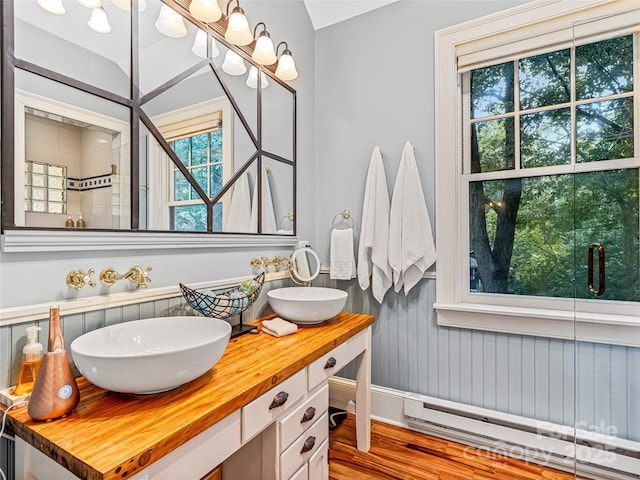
[[79, 278], [145, 275]]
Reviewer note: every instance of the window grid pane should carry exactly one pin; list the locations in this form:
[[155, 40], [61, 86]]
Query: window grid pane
[[521, 228], [45, 188], [202, 155]]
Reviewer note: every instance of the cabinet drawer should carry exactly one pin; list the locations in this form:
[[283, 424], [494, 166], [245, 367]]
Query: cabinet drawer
[[270, 405], [330, 363], [302, 474], [327, 365], [356, 345], [318, 465], [296, 422], [304, 447]]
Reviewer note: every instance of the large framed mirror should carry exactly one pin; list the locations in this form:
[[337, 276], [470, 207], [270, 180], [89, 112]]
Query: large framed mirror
[[133, 129]]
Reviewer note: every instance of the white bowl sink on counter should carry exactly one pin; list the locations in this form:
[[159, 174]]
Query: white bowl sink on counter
[[152, 355], [307, 305]]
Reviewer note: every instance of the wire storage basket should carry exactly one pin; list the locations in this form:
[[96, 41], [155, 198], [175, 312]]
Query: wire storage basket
[[225, 302]]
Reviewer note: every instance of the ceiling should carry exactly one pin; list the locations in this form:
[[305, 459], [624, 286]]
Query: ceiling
[[327, 12]]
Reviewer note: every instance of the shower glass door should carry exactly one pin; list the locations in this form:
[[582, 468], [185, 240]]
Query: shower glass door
[[606, 232]]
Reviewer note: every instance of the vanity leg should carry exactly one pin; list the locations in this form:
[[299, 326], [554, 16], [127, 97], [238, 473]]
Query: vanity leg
[[363, 396]]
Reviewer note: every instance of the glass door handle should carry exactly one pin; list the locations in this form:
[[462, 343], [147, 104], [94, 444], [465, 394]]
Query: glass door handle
[[592, 290]]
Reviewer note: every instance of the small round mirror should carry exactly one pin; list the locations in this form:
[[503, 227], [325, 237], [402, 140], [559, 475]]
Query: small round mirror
[[305, 265]]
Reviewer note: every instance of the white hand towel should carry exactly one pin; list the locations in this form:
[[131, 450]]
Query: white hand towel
[[411, 247], [343, 261], [279, 327], [239, 216], [268, 214], [374, 236]]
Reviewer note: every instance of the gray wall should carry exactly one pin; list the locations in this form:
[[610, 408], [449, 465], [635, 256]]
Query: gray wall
[[374, 86]]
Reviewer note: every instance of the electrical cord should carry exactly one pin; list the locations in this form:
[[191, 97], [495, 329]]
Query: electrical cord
[[2, 434]]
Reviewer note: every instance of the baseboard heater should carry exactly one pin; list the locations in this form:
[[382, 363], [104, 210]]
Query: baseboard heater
[[588, 454]]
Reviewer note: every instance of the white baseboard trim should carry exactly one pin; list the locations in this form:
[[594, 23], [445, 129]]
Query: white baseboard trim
[[387, 404]]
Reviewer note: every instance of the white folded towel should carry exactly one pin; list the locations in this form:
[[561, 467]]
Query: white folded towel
[[239, 216], [269, 224], [278, 327], [411, 247], [374, 235], [343, 261]]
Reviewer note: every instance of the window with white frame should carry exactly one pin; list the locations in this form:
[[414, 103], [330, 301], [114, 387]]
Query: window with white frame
[[201, 154], [547, 165], [201, 135]]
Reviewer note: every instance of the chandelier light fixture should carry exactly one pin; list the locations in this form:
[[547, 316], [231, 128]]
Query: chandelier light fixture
[[170, 23], [199, 47], [286, 69], [252, 79], [99, 21], [233, 64], [205, 10], [263, 52], [238, 31]]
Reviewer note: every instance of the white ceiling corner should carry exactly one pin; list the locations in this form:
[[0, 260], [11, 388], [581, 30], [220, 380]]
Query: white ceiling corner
[[327, 12]]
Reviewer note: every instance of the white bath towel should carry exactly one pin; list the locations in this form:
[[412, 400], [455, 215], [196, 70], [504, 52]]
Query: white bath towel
[[411, 247], [268, 214], [278, 327], [374, 235], [343, 261], [239, 216]]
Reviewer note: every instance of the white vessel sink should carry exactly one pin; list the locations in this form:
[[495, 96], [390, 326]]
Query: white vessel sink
[[151, 355], [307, 305]]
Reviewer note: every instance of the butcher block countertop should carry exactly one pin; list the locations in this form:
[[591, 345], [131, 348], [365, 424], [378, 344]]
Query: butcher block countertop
[[114, 435]]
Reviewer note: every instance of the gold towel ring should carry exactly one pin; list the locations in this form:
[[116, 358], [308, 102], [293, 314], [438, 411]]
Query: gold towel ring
[[346, 215], [289, 216]]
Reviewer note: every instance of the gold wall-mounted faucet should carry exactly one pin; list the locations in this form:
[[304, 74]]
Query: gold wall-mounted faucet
[[79, 278], [277, 262], [136, 275]]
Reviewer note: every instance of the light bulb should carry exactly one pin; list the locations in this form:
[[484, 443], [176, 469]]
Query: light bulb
[[233, 64], [252, 79], [263, 52], [286, 67], [170, 23], [90, 3], [52, 6], [205, 10], [238, 31], [99, 21]]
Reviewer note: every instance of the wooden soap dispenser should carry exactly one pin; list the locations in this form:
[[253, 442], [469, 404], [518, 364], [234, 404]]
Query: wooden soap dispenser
[[55, 392]]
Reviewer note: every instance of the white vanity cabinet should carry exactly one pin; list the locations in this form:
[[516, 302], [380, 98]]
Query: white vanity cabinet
[[296, 445], [269, 398]]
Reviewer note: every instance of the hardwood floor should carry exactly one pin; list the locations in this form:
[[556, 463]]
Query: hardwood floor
[[397, 453]]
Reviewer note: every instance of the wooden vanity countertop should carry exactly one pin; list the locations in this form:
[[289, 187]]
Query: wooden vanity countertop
[[114, 435]]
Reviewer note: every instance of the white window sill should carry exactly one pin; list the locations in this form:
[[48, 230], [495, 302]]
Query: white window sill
[[564, 324], [27, 241]]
